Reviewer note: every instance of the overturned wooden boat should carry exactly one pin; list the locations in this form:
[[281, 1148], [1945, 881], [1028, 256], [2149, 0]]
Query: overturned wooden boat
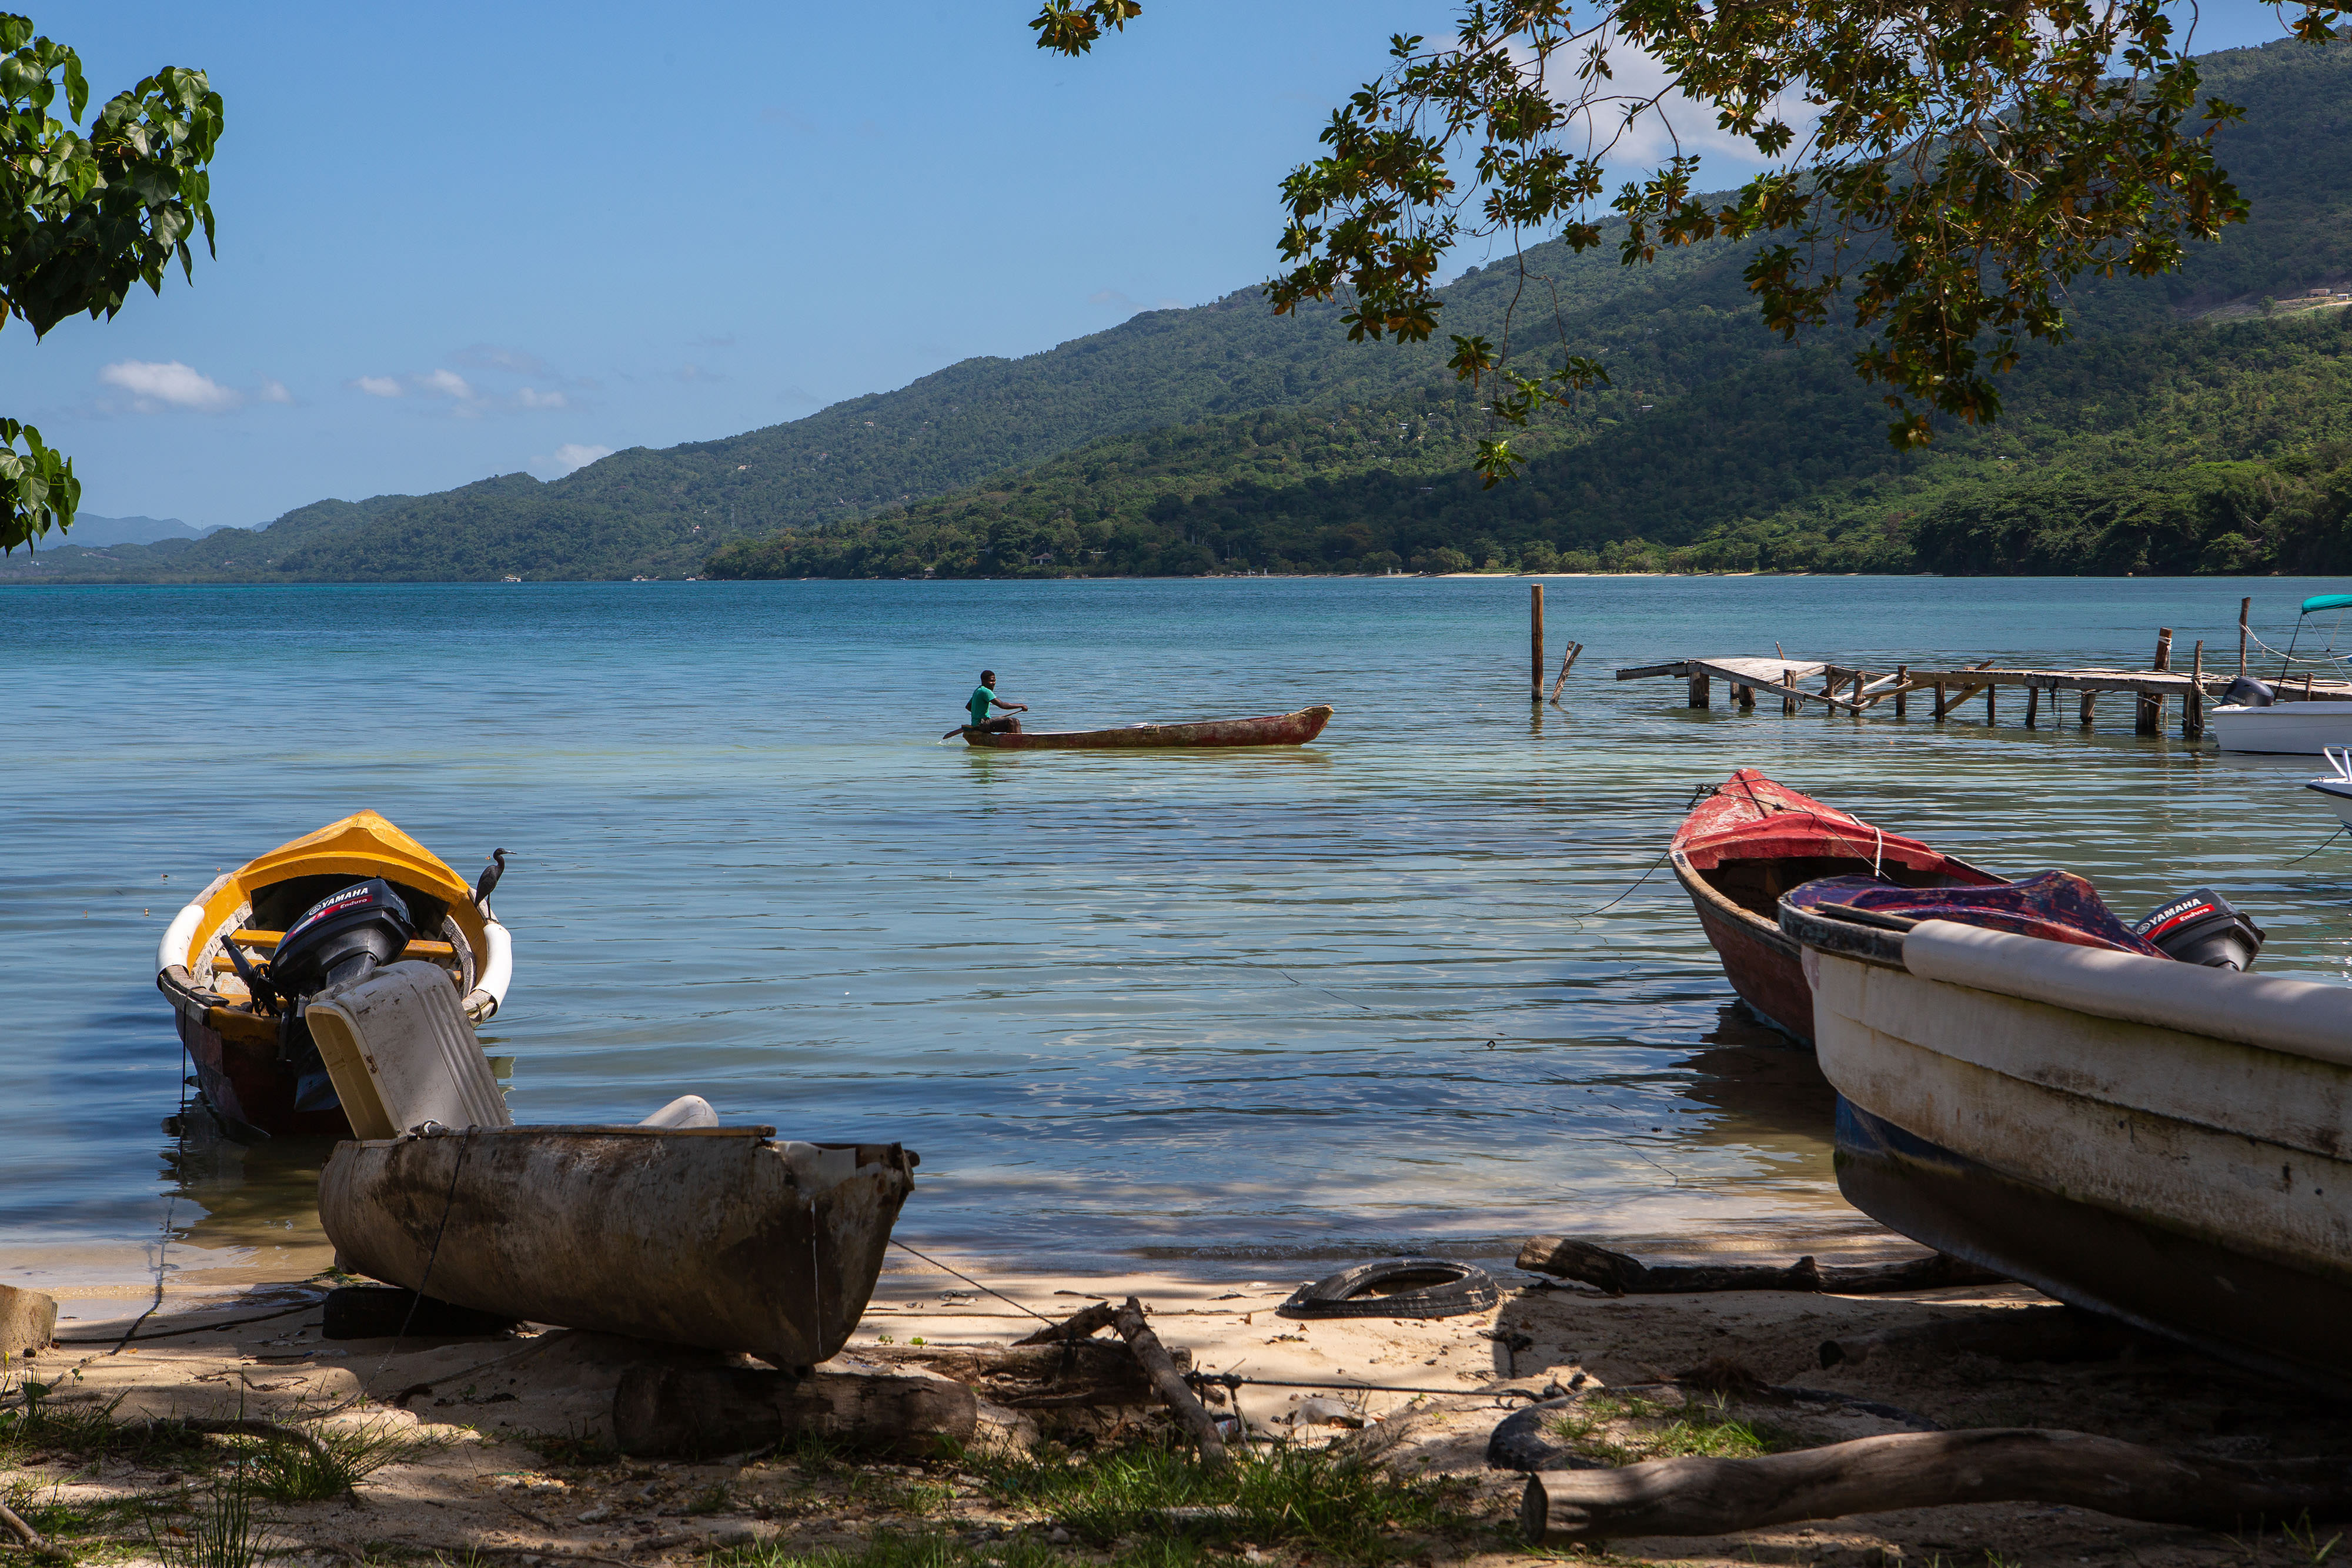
[[1751, 839], [251, 1051], [727, 1237], [2166, 1141], [1274, 730]]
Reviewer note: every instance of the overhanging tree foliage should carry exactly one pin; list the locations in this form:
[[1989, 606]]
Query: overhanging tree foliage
[[1939, 171], [86, 218]]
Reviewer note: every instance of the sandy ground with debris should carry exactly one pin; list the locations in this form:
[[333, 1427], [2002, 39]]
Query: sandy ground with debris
[[508, 1420]]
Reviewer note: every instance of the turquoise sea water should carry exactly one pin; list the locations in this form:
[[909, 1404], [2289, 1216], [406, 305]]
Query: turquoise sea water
[[1231, 1007]]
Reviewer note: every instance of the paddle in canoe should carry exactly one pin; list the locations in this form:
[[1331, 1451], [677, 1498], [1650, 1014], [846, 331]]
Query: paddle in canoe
[[1274, 730]]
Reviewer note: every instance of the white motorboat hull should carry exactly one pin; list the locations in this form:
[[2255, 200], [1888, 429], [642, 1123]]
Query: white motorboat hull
[[2164, 1143], [2285, 729]]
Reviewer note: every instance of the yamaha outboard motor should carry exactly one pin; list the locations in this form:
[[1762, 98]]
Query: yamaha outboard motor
[[2247, 692], [346, 936], [2200, 927]]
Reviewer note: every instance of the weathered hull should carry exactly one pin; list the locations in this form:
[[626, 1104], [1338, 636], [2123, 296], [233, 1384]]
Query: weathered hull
[[2191, 1179], [242, 1080], [2288, 1321], [1764, 966], [2283, 729], [1275, 730], [724, 1238]]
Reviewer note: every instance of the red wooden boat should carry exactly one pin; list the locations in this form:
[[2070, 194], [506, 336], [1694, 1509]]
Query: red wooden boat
[[1274, 730], [1752, 841]]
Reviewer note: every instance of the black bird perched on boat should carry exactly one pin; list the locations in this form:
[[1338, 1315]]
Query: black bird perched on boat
[[491, 874]]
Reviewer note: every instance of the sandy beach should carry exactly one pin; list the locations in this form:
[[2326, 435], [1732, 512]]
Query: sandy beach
[[511, 1459]]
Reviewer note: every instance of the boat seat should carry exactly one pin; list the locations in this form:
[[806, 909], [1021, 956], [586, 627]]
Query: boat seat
[[267, 942], [401, 1053]]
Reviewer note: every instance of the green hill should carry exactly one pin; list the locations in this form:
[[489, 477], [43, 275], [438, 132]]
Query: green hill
[[1187, 439]]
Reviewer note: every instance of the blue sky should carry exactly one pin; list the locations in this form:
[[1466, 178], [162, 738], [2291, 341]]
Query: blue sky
[[464, 240]]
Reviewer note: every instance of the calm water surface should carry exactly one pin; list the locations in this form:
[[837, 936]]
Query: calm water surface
[[1361, 996]]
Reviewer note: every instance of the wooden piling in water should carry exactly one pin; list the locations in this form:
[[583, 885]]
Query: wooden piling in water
[[1534, 643], [2243, 605], [1990, 691], [1567, 663], [2151, 709], [1745, 696], [2032, 706], [1859, 677], [1901, 690], [2088, 699], [2193, 706], [1788, 693], [1698, 691], [1939, 702]]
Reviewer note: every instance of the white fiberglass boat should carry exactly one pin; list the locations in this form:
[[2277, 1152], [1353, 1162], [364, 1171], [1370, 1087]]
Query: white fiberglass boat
[[2262, 723], [2158, 1140], [2336, 786]]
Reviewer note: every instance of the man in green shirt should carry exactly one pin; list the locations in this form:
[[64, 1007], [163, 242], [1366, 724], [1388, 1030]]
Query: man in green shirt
[[984, 697]]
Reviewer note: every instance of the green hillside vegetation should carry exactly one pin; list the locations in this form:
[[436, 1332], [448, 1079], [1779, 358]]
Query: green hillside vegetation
[[1225, 438]]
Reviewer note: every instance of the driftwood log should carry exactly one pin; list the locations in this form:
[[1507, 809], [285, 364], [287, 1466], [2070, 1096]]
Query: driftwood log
[[1929, 1470], [695, 1412], [1565, 1257], [1077, 1325], [2004, 1333], [1039, 1376], [1170, 1384], [19, 1529]]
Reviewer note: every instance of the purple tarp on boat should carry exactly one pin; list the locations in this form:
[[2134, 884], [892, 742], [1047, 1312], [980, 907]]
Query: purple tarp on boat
[[2055, 906]]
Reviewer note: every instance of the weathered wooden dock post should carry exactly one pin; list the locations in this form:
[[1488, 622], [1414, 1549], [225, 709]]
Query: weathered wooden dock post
[[1567, 663], [1698, 691], [2032, 707], [2193, 706], [1534, 643], [2243, 606], [1939, 702], [1990, 691], [1747, 697], [2088, 699], [1788, 693], [1901, 690], [2151, 709]]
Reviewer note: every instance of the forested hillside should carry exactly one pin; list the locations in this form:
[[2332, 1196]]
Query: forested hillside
[[1224, 436]]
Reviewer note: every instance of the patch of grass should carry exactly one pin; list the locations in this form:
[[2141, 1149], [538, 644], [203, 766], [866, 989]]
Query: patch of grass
[[1627, 1429], [1333, 1500], [36, 1425], [297, 1472], [716, 1497], [221, 1528], [583, 1449]]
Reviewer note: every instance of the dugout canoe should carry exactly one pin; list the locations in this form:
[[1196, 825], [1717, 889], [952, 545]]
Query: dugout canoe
[[2164, 1142], [248, 1065], [1748, 841], [1273, 729], [727, 1237]]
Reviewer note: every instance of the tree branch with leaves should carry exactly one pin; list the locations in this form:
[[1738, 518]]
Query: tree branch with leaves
[[1939, 173], [84, 219]]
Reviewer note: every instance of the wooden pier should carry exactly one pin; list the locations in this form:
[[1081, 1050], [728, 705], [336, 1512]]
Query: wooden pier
[[1853, 691]]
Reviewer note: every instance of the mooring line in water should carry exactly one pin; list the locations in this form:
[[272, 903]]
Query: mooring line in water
[[975, 1284], [2323, 844]]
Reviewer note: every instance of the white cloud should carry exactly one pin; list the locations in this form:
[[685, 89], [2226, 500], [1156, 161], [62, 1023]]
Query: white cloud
[[275, 392], [378, 386], [571, 457], [494, 357], [170, 384], [1676, 124], [448, 383], [531, 397]]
